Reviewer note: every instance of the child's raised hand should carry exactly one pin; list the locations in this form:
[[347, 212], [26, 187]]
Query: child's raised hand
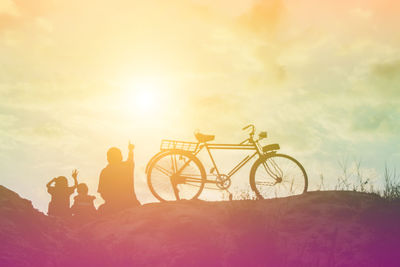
[[75, 173], [131, 146], [50, 182]]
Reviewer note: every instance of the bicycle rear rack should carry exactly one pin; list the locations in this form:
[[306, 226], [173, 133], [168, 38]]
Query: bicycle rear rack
[[180, 145]]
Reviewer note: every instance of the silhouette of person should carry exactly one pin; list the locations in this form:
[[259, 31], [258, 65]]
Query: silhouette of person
[[116, 183], [60, 194], [83, 208]]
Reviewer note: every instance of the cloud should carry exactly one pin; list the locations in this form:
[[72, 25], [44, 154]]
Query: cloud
[[385, 78], [387, 71], [381, 120], [319, 77], [263, 18], [8, 7]]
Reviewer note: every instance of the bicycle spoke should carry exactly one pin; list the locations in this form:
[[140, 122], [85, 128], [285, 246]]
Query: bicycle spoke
[[173, 163], [284, 186], [291, 186], [191, 179], [186, 164], [163, 170], [195, 185], [265, 183]]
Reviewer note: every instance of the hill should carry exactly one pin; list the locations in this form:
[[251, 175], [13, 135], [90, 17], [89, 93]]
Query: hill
[[327, 228]]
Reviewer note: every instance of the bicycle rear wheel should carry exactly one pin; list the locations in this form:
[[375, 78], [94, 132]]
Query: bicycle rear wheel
[[278, 175], [176, 175]]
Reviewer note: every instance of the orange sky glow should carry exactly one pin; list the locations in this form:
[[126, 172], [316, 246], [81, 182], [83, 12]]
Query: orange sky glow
[[77, 77]]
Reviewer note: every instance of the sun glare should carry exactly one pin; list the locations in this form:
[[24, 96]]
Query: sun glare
[[146, 100], [144, 94]]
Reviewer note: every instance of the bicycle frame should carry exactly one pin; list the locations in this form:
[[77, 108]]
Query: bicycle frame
[[251, 145]]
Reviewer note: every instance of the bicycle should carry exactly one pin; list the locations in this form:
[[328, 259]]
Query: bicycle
[[177, 173]]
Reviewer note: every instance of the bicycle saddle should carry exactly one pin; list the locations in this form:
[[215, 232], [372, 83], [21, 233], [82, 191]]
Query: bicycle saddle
[[202, 138]]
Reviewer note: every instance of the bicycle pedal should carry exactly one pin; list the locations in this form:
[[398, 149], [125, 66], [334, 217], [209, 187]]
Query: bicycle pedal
[[212, 170]]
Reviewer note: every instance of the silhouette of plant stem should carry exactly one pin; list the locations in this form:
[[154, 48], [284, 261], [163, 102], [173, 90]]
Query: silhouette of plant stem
[[391, 189], [321, 185]]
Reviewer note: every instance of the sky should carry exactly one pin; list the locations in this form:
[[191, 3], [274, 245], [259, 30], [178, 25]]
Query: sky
[[78, 77]]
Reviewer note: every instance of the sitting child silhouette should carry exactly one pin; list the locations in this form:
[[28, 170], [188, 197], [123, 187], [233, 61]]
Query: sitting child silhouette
[[60, 194], [83, 207]]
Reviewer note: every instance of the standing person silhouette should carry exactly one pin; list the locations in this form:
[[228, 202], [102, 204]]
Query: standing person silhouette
[[116, 184]]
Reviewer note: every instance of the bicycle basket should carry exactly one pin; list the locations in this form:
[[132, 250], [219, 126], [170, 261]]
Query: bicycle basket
[[181, 145]]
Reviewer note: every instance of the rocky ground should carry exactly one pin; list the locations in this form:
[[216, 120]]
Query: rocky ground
[[328, 228]]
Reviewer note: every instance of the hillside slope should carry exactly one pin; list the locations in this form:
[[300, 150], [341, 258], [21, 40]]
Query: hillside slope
[[316, 229]]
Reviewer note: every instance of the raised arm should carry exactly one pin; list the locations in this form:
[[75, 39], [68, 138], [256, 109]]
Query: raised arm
[[49, 183], [75, 176], [130, 155]]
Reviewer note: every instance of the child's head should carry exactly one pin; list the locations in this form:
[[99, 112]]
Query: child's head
[[61, 181], [114, 155], [82, 189]]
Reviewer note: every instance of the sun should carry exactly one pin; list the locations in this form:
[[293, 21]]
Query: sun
[[143, 95], [146, 100]]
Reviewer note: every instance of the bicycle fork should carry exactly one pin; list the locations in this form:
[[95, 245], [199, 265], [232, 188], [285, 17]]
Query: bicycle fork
[[277, 177]]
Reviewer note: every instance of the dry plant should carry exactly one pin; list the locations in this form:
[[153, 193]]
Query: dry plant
[[353, 178], [321, 185], [343, 182], [391, 190]]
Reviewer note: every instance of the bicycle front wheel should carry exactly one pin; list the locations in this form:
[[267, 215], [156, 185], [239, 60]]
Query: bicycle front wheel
[[176, 175], [278, 175]]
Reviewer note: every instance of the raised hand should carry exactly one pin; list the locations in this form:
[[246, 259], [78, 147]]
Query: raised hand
[[75, 173], [51, 181], [131, 146]]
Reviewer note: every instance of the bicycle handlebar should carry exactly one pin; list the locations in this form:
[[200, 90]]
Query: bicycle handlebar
[[246, 127], [252, 128]]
